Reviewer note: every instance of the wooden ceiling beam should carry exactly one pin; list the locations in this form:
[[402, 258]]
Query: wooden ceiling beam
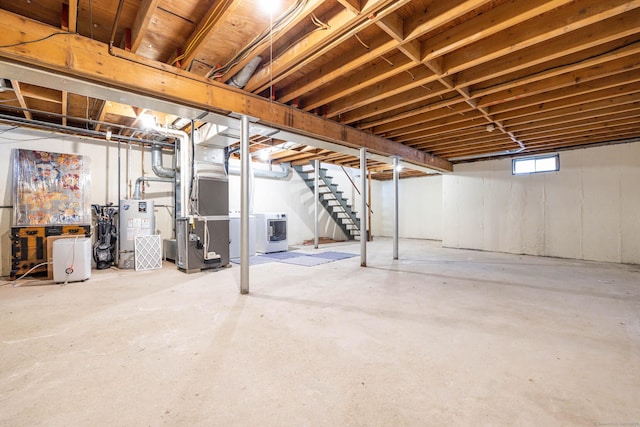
[[593, 35], [449, 119], [613, 133], [218, 12], [581, 102], [553, 144], [375, 73], [491, 22], [306, 154], [616, 118], [308, 7], [339, 67], [466, 136], [340, 26], [402, 82], [587, 74], [580, 126], [41, 93], [16, 89], [89, 60], [471, 119], [402, 104], [65, 107], [141, 23], [567, 115], [577, 93], [542, 28], [438, 14], [444, 109], [573, 63], [489, 140], [393, 25]]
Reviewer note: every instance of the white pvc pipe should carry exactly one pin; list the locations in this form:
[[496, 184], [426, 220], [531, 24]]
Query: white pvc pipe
[[363, 207], [244, 205]]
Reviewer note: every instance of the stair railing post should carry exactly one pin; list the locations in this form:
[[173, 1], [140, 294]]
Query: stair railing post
[[316, 194]]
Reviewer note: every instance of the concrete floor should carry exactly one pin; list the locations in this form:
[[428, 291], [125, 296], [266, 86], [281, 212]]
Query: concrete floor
[[440, 337]]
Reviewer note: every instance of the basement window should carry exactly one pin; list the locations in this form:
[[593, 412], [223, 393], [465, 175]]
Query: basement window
[[548, 163]]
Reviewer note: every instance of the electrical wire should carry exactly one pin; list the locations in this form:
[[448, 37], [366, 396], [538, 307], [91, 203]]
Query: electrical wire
[[15, 283], [211, 20], [275, 28], [361, 42], [69, 270], [57, 33]]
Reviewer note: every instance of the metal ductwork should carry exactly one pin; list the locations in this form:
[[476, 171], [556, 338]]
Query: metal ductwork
[[241, 78], [156, 163], [139, 181], [282, 174], [6, 85]]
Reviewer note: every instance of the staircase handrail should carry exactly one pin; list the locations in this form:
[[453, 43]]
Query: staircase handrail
[[354, 186]]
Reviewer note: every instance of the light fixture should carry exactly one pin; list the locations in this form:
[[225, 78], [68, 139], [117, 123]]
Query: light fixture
[[147, 121], [264, 155], [108, 135], [491, 127], [399, 167], [270, 6]]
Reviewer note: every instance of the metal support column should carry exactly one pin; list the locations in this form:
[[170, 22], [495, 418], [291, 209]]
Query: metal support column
[[244, 205], [316, 211], [396, 174], [363, 207]]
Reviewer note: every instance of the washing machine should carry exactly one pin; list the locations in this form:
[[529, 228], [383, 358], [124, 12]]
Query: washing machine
[[271, 232]]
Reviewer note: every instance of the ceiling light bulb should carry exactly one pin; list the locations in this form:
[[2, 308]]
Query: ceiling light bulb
[[270, 6], [264, 155], [147, 121]]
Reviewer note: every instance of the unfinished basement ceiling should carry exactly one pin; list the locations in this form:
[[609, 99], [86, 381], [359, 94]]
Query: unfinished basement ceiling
[[456, 79]]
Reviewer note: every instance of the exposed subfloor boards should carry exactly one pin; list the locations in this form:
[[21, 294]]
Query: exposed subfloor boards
[[439, 337]]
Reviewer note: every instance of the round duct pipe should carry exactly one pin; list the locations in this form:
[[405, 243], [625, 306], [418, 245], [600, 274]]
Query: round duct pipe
[[282, 174], [156, 163], [241, 78], [139, 181]]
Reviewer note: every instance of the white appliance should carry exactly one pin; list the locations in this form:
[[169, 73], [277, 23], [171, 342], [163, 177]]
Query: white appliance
[[271, 232], [234, 235], [71, 259]]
